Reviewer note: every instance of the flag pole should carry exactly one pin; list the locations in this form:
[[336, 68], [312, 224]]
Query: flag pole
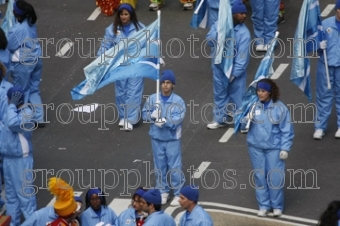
[[158, 58], [272, 43], [198, 7], [326, 67]]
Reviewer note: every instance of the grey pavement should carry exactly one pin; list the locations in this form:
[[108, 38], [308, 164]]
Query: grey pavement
[[71, 147]]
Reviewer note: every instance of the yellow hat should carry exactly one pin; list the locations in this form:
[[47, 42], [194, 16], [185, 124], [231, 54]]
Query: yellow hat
[[65, 204]]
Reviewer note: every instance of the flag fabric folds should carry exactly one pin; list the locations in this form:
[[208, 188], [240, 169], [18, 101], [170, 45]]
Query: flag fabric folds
[[9, 19], [265, 70], [307, 38], [225, 38], [143, 62], [200, 15]]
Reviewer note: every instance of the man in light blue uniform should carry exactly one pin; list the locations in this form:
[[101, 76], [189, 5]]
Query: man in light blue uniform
[[129, 91], [16, 149], [4, 87], [230, 91], [194, 215], [26, 66], [5, 55], [46, 215], [165, 132], [265, 16], [133, 215], [324, 96], [152, 205]]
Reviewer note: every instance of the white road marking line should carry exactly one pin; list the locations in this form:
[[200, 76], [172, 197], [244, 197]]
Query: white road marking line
[[201, 168], [279, 71], [227, 135], [76, 193], [95, 14], [64, 49], [256, 218], [119, 205], [329, 8]]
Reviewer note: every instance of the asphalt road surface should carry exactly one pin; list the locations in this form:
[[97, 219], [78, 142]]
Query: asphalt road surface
[[100, 154]]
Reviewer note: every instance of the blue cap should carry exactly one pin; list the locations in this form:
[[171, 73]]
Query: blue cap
[[14, 89], [168, 75], [238, 7], [94, 191], [126, 6], [337, 4], [190, 193], [153, 196]]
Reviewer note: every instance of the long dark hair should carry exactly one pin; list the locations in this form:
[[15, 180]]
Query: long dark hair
[[29, 12], [3, 40], [102, 202], [133, 19], [330, 216], [275, 93]]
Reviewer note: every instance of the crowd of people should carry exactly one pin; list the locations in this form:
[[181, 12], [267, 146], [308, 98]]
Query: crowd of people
[[268, 142]]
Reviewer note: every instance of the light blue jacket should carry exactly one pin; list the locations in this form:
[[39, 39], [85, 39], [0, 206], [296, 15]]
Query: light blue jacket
[[127, 218], [173, 110], [271, 128], [111, 39], [159, 218], [241, 48], [90, 218], [331, 34], [41, 217], [23, 37], [197, 217], [17, 132], [5, 57]]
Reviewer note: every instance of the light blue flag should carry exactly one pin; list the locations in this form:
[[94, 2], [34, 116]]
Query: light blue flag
[[9, 19], [308, 30], [200, 15], [265, 70], [225, 38], [142, 62]]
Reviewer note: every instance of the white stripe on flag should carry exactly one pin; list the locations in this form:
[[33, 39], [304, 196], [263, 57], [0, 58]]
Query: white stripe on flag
[[156, 66], [315, 4]]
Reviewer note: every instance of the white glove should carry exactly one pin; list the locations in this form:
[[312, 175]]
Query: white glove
[[155, 114], [100, 224], [162, 62], [231, 79], [283, 155], [323, 44], [160, 122]]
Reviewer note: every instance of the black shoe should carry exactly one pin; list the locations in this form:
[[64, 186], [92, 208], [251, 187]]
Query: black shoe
[[281, 20]]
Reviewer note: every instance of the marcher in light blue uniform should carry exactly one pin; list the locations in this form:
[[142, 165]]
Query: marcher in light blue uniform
[[128, 91], [4, 87], [26, 66], [45, 215], [5, 55], [264, 17], [133, 215], [96, 210], [165, 135], [230, 91], [16, 149], [269, 140], [324, 96], [194, 215], [151, 202]]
